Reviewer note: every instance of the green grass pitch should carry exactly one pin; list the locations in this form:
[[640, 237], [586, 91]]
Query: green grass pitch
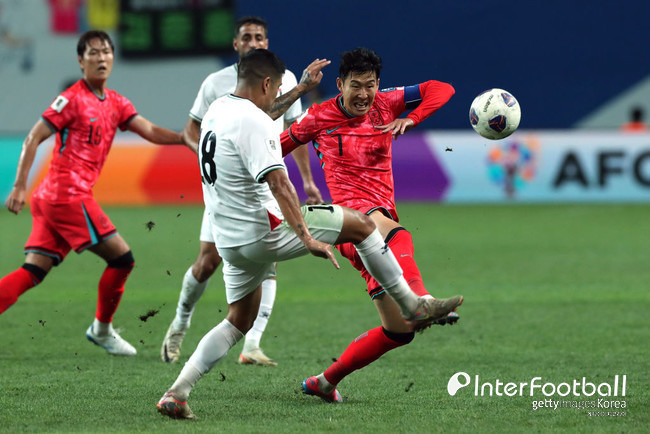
[[553, 291]]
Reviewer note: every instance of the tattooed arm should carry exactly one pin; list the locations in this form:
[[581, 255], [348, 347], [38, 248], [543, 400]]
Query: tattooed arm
[[309, 80]]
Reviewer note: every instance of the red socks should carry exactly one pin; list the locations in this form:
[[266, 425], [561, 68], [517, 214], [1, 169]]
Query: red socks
[[111, 285], [364, 350], [13, 285], [111, 288], [401, 244]]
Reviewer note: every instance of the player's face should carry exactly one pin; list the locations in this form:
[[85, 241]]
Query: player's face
[[97, 61], [359, 90], [250, 37]]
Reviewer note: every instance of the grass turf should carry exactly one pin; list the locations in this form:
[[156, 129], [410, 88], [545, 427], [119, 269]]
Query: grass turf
[[552, 291]]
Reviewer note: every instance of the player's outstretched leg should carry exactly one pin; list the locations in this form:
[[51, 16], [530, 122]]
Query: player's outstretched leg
[[380, 262], [401, 244], [252, 354]]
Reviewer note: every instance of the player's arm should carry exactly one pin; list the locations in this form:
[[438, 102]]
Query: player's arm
[[154, 133], [301, 157], [427, 98], [287, 199], [39, 132], [311, 77], [191, 134]]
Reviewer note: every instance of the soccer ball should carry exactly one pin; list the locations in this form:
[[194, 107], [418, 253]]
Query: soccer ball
[[495, 114]]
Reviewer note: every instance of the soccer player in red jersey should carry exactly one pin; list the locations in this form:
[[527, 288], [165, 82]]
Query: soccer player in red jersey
[[65, 215], [352, 134]]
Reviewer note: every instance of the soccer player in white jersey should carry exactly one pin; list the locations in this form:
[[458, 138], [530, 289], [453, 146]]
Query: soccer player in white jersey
[[250, 33], [256, 220]]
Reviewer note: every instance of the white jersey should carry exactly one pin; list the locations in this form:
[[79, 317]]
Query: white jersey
[[239, 145], [224, 81]]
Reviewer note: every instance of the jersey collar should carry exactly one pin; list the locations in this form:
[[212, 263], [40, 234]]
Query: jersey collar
[[101, 98], [339, 104]]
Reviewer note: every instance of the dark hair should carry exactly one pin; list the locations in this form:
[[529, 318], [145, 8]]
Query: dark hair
[[258, 64], [359, 60], [249, 19], [88, 36], [637, 114]]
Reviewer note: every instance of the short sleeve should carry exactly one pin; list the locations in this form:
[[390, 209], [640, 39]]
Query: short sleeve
[[201, 102], [127, 112], [304, 129], [61, 112], [259, 146]]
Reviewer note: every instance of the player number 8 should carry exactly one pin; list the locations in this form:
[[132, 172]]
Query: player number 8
[[208, 167]]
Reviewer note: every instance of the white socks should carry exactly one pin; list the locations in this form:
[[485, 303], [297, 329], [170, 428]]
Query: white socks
[[212, 348], [102, 328], [382, 265], [324, 385], [254, 335], [191, 292]]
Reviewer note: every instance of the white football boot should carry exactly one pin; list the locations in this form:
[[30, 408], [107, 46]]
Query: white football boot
[[111, 342]]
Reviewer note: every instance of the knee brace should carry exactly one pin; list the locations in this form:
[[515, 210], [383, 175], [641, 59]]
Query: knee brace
[[126, 261], [402, 338], [36, 271]]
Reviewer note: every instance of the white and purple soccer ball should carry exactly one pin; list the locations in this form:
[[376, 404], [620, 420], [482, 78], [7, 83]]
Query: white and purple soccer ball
[[495, 114]]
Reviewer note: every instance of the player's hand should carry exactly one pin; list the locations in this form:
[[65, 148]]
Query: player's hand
[[397, 127], [313, 194], [322, 250], [16, 200], [313, 74]]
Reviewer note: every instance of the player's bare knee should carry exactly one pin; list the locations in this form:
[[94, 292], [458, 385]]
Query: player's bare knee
[[205, 266], [242, 321], [207, 262], [357, 226]]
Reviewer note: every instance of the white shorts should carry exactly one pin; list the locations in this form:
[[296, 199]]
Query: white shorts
[[246, 267], [206, 233]]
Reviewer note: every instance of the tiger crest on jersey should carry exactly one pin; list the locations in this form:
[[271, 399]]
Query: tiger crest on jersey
[[375, 117]]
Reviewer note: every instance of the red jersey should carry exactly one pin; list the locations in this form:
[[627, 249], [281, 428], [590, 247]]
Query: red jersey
[[355, 156], [85, 125]]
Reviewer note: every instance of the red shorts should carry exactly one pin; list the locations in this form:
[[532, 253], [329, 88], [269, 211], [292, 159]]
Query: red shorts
[[59, 227]]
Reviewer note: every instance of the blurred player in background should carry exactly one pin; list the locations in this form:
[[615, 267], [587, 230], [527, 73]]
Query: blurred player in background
[[65, 215], [352, 134], [256, 220], [250, 33], [636, 124]]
